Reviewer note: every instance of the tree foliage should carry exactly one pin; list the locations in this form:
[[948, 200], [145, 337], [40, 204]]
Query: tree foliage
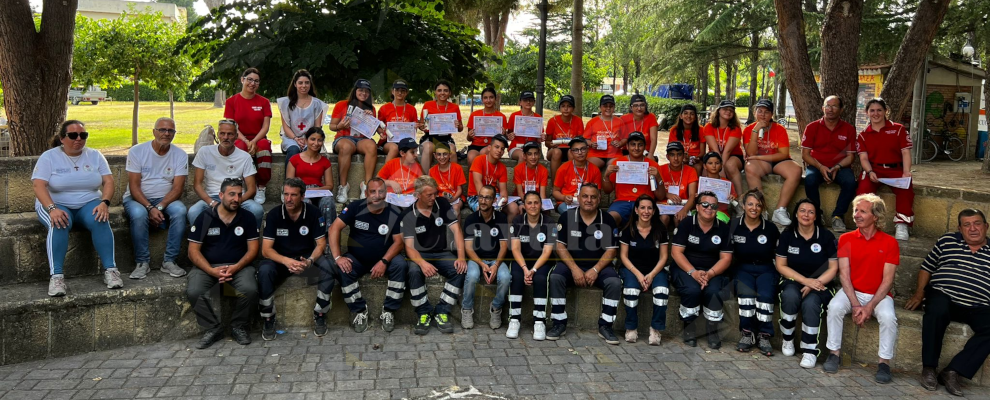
[[338, 42], [516, 71]]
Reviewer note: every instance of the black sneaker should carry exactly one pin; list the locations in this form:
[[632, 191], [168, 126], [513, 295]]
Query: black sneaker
[[240, 336], [714, 340], [883, 373], [209, 338], [688, 337], [764, 344], [605, 332], [831, 364], [443, 323], [557, 330], [268, 330], [746, 341], [423, 325], [320, 325]]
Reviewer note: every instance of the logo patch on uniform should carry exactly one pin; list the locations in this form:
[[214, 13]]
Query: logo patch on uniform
[[575, 234], [762, 239], [717, 239], [816, 248], [238, 231], [842, 137], [598, 234], [230, 169], [323, 222], [213, 232], [542, 237], [361, 225], [560, 227], [739, 239], [420, 229], [524, 239], [383, 229], [281, 232], [87, 168], [168, 171], [192, 229], [694, 239], [477, 233], [304, 230], [438, 221], [793, 250], [494, 232], [512, 230]]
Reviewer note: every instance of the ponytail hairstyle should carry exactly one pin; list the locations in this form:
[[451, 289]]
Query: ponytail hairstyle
[[657, 228]]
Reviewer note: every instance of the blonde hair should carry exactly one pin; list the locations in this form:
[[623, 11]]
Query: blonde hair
[[877, 207], [423, 181]]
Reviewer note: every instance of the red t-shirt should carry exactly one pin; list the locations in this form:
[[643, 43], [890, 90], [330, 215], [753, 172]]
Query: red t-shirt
[[432, 108], [340, 111], [678, 179], [772, 141], [519, 141], [393, 170], [569, 177], [884, 147], [722, 136], [867, 257], [490, 174], [389, 113], [448, 182], [249, 113], [523, 176], [608, 131], [629, 192], [829, 146], [484, 140], [649, 121], [691, 147], [558, 129], [311, 174]]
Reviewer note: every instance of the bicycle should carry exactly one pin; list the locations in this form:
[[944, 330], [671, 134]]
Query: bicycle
[[952, 145]]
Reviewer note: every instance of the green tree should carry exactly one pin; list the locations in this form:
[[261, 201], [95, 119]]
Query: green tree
[[191, 15], [136, 48], [516, 71]]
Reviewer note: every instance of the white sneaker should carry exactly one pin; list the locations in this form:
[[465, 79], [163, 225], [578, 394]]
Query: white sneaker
[[632, 336], [364, 188], [539, 330], [654, 337], [56, 286], [808, 361], [342, 193], [901, 232], [259, 196], [513, 331], [787, 348], [780, 216], [111, 276]]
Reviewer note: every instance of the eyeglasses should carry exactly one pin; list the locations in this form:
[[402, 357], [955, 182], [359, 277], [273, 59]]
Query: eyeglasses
[[486, 197], [165, 130], [579, 149], [77, 135], [831, 107], [252, 80], [710, 206]]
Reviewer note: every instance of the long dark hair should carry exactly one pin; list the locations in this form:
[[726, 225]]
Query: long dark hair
[[717, 120], [695, 128], [364, 105], [57, 139], [656, 226], [292, 94], [819, 222]]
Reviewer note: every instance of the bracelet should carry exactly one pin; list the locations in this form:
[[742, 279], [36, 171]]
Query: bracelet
[[336, 258], [384, 261], [869, 172], [692, 271], [149, 207], [50, 208], [105, 201], [212, 202]]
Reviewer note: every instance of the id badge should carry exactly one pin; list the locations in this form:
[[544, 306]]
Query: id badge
[[602, 142], [530, 186]]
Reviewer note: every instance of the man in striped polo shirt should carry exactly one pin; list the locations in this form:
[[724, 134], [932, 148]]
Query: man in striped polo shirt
[[954, 282]]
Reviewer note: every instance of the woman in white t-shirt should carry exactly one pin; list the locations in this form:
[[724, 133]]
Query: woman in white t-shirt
[[300, 110], [73, 185]]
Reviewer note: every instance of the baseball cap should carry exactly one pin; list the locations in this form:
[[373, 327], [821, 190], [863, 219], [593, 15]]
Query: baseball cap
[[727, 104], [400, 84], [765, 103], [362, 84], [689, 107], [606, 99], [675, 146], [500, 137], [527, 95], [407, 143], [531, 145], [566, 99], [440, 147], [637, 98], [636, 136]]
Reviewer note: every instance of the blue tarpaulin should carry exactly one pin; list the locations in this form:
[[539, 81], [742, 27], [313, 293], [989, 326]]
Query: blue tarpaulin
[[679, 91]]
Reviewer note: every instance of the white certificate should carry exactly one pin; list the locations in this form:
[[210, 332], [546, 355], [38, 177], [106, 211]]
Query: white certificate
[[364, 123], [547, 204], [900, 183], [633, 173], [669, 209], [443, 124], [602, 142], [722, 189], [401, 200], [401, 130], [487, 126], [528, 126], [311, 193]]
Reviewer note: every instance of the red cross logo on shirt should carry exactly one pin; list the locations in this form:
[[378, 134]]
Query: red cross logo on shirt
[[301, 126]]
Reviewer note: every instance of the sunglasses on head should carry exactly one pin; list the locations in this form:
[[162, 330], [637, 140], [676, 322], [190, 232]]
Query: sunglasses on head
[[710, 206], [77, 135]]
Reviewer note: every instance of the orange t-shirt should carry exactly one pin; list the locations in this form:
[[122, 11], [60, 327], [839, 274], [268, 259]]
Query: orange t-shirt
[[691, 147], [678, 179], [608, 131], [490, 174], [630, 192], [340, 111], [389, 113], [722, 136], [569, 177], [529, 179], [771, 142], [558, 129], [484, 140], [432, 108], [519, 141], [448, 182], [393, 170], [649, 121]]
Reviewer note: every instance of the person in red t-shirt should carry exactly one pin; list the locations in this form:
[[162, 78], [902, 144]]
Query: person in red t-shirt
[[828, 149], [573, 174], [346, 143], [526, 102], [713, 170], [688, 131], [489, 170], [724, 135], [640, 119], [627, 193], [396, 111], [768, 151], [680, 181], [868, 260], [400, 173], [563, 127], [449, 176], [479, 144], [606, 134], [530, 175], [885, 152], [315, 170], [253, 114], [440, 105]]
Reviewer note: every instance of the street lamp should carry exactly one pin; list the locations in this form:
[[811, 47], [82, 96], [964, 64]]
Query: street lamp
[[968, 50], [541, 65]]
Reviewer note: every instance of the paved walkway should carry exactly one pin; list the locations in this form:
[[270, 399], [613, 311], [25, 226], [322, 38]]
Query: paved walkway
[[373, 365]]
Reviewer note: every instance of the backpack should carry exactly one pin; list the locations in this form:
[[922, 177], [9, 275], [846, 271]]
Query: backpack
[[207, 137]]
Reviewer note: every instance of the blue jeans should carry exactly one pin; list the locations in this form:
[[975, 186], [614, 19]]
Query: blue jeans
[[630, 293], [58, 238], [175, 223], [624, 208], [252, 206], [473, 276], [847, 188], [290, 151]]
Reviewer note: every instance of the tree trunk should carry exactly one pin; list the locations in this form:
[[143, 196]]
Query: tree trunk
[[137, 101], [781, 94], [36, 70], [171, 104], [730, 78], [625, 79], [800, 78], [615, 70], [219, 98], [840, 47], [754, 65], [811, 6], [899, 85], [577, 56], [718, 82]]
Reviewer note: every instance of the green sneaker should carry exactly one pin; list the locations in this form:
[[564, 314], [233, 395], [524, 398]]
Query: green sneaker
[[423, 325], [443, 323]]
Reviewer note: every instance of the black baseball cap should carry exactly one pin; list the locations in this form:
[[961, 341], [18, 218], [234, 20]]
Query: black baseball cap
[[675, 146], [637, 98], [531, 145], [726, 104], [689, 107], [711, 155], [407, 143], [527, 95], [362, 84], [606, 99], [500, 137], [765, 103], [637, 135], [400, 84], [576, 140], [566, 99]]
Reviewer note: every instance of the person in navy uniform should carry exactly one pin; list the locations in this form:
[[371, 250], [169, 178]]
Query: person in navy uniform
[[532, 238], [643, 251], [754, 241], [486, 242]]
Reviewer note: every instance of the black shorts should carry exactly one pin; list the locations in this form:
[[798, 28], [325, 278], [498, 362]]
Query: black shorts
[[742, 160], [448, 139], [565, 154], [475, 148]]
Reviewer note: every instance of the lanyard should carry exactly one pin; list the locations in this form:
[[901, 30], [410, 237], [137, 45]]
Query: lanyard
[[581, 181], [445, 182], [679, 180], [641, 123], [402, 114], [723, 138], [488, 178], [608, 128]]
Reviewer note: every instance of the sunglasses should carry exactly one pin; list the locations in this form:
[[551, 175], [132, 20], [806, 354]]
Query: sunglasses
[[710, 206], [234, 181], [165, 130], [77, 135]]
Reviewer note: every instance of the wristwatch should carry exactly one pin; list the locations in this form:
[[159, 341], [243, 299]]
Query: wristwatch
[[384, 261], [160, 208], [107, 202], [50, 208]]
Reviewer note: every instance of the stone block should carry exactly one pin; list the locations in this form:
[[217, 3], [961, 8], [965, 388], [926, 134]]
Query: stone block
[[114, 325], [930, 215], [28, 339], [167, 317], [72, 331], [120, 181], [20, 191], [3, 192], [8, 253]]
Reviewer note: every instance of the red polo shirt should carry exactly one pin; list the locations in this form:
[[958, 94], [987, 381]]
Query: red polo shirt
[[829, 146], [630, 192], [568, 177], [691, 147], [884, 147], [432, 108], [867, 257]]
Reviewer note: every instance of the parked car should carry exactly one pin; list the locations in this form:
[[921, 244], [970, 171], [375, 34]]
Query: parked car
[[92, 94]]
